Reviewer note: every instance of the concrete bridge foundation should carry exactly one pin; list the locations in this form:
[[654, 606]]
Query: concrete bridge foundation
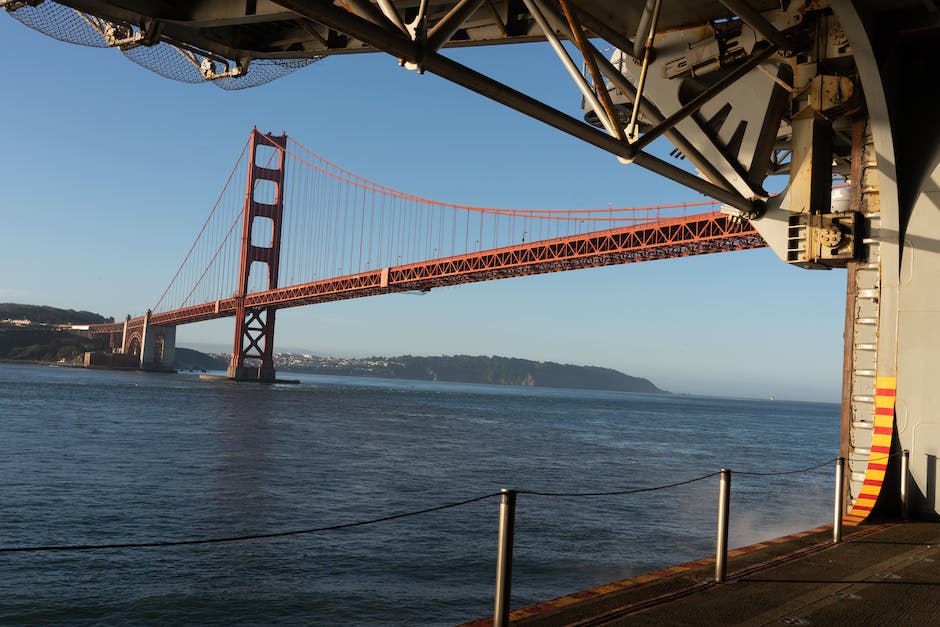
[[152, 346]]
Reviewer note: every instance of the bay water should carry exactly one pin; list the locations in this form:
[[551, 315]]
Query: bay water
[[97, 457]]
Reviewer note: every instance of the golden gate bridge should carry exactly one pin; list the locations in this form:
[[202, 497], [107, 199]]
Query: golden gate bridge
[[290, 228]]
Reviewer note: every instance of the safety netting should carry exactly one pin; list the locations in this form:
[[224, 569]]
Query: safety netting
[[166, 58], [59, 22]]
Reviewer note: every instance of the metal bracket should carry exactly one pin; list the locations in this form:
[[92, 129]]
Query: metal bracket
[[122, 37], [822, 241], [207, 67]]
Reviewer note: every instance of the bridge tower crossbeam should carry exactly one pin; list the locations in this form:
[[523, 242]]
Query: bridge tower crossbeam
[[254, 326]]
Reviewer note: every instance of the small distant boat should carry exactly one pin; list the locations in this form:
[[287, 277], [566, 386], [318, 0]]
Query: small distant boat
[[772, 397]]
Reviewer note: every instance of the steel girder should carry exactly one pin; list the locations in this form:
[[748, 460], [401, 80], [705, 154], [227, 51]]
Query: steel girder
[[668, 239]]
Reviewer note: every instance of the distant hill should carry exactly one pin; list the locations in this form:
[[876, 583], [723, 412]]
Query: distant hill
[[189, 359], [481, 369], [46, 345], [37, 342], [42, 314]]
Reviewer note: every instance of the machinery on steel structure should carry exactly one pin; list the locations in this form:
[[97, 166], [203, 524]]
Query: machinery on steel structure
[[744, 89]]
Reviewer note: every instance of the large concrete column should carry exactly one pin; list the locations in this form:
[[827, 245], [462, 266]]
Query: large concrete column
[[143, 342], [157, 346], [127, 320]]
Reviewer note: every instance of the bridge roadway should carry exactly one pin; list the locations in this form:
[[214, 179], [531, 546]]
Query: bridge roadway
[[668, 238], [882, 574]]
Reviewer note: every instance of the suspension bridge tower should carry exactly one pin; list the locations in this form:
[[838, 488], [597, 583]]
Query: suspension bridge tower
[[253, 352]]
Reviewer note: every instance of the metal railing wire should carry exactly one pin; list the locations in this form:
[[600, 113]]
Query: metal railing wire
[[618, 492], [786, 472], [387, 518], [257, 536], [507, 500]]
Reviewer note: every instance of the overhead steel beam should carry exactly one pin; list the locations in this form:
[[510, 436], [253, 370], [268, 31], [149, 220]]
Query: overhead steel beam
[[497, 19], [632, 131], [345, 22], [494, 90], [705, 165], [392, 14], [367, 10], [589, 52], [602, 30], [653, 113], [643, 28], [758, 22], [610, 122], [449, 24], [700, 100], [648, 109]]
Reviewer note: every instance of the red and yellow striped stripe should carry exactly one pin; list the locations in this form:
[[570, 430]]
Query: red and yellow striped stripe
[[885, 394]]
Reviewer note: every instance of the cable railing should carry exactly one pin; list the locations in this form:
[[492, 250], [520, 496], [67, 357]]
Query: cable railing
[[508, 500]]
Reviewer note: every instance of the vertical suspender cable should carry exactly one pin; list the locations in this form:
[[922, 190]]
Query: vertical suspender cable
[[332, 231], [362, 229], [440, 234], [495, 241], [316, 220], [303, 202], [299, 205], [380, 260], [410, 231], [452, 247], [344, 238], [289, 249], [371, 250], [323, 233]]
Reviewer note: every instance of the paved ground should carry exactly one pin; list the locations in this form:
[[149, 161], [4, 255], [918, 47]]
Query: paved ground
[[880, 575]]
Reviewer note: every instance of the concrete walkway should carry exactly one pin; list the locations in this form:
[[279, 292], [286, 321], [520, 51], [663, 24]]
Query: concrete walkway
[[885, 574]]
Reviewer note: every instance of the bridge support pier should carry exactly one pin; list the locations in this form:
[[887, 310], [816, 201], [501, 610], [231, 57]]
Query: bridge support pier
[[127, 321], [157, 346], [254, 340], [159, 351], [253, 352]]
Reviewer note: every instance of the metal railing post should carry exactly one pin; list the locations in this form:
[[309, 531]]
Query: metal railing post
[[724, 506], [507, 523], [838, 508], [905, 483]]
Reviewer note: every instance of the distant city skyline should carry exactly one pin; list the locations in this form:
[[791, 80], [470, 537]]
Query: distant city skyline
[[109, 170]]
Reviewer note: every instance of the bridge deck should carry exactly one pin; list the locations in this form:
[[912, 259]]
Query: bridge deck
[[880, 575], [668, 238]]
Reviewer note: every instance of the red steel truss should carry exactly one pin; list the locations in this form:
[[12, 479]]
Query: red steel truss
[[666, 239], [254, 324]]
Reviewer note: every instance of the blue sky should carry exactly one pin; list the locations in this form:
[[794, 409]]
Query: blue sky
[[108, 171]]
